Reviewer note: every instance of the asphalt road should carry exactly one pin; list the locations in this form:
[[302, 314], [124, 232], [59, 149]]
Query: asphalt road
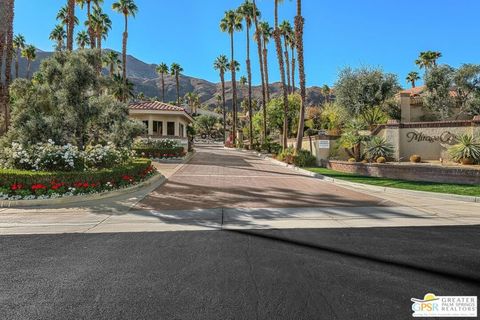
[[272, 274]]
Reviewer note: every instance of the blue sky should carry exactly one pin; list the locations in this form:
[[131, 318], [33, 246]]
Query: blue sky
[[338, 33]]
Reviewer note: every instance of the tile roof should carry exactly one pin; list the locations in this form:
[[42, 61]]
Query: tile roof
[[414, 91], [154, 105]]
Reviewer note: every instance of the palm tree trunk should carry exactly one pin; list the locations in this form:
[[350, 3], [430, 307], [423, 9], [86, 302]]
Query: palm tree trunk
[[178, 88], [222, 78], [299, 21], [287, 63], [8, 61], [163, 88], [265, 68], [293, 69], [29, 63], [90, 30], [124, 55], [71, 24], [262, 72], [234, 90], [99, 42], [249, 74], [278, 43]]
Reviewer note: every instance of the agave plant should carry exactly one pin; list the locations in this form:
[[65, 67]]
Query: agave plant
[[467, 149], [378, 147]]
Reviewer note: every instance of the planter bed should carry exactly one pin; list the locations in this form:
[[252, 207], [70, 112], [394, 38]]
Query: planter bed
[[163, 154], [30, 185]]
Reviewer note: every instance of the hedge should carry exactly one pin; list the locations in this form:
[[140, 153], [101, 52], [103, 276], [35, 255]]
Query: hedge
[[24, 183], [160, 153]]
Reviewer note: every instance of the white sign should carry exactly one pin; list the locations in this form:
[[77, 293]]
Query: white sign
[[324, 144], [444, 306]]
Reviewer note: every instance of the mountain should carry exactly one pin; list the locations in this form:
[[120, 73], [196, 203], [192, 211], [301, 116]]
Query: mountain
[[146, 80]]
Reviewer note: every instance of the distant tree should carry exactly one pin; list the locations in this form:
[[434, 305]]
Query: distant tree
[[101, 25], [439, 81], [467, 89], [286, 31], [428, 59], [58, 35], [412, 77], [258, 38], [162, 70], [176, 70], [82, 39], [29, 53], [266, 33], [112, 62], [18, 44], [205, 123], [221, 65], [121, 90]]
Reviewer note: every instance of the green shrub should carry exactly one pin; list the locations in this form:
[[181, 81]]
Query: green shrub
[[466, 150], [160, 153], [287, 155], [304, 158], [352, 160]]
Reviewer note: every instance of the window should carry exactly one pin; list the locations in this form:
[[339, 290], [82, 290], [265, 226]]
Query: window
[[170, 128], [182, 127], [158, 127]]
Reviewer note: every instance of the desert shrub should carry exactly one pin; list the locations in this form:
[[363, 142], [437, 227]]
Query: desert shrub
[[415, 158], [467, 148], [287, 155], [377, 147], [304, 158]]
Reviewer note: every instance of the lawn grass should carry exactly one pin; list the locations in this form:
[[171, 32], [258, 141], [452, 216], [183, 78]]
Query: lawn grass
[[460, 189]]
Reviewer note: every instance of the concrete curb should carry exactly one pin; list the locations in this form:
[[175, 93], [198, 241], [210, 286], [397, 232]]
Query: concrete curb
[[366, 187], [158, 178]]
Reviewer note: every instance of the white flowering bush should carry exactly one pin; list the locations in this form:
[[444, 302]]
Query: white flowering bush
[[15, 156], [108, 156]]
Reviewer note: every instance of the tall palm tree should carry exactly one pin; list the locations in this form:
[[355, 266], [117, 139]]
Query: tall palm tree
[[299, 22], [65, 18], [286, 30], [71, 24], [428, 59], [175, 70], [230, 23], [326, 92], [127, 8], [278, 43], [162, 70], [8, 38], [248, 12], [221, 65], [122, 90], [18, 45], [412, 77], [266, 32], [88, 3], [101, 25], [112, 61], [258, 38], [82, 39], [29, 53], [58, 35], [292, 44]]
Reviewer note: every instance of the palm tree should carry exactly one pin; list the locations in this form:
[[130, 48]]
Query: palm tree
[[101, 25], [326, 92], [278, 43], [221, 65], [266, 32], [162, 70], [243, 83], [58, 35], [65, 18], [82, 39], [18, 45], [175, 70], [192, 98], [71, 24], [29, 53], [412, 77], [8, 38], [428, 59], [258, 38], [230, 23], [127, 8], [249, 12], [299, 22], [82, 3], [286, 30], [121, 89], [292, 44], [111, 60]]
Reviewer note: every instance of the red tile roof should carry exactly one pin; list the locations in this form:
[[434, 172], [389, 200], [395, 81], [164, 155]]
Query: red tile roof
[[154, 105], [414, 91]]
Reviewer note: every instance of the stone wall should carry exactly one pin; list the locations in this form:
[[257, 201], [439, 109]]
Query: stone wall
[[413, 172]]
